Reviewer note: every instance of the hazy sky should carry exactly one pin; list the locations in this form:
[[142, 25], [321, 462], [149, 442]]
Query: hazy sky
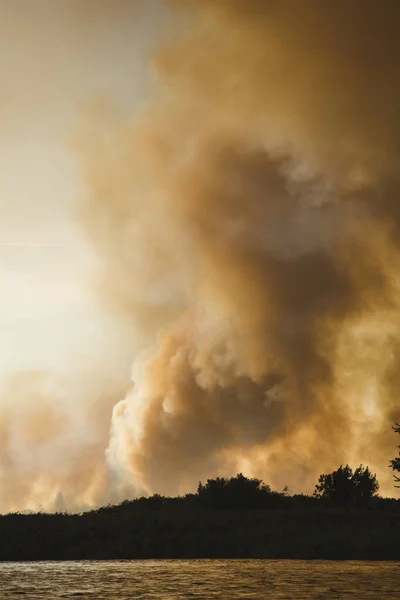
[[240, 266], [54, 57]]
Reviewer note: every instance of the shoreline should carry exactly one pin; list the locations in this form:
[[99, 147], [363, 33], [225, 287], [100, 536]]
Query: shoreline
[[177, 530]]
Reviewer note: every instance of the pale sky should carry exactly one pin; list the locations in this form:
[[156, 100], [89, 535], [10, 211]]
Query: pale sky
[[54, 57]]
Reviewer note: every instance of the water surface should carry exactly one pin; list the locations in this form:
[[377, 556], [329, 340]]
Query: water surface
[[200, 579]]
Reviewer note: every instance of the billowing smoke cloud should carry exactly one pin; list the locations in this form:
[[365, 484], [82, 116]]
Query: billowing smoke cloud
[[54, 424], [53, 439], [249, 228], [247, 225]]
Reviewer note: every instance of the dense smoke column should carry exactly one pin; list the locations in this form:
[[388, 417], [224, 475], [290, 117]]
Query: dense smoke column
[[246, 220], [249, 231]]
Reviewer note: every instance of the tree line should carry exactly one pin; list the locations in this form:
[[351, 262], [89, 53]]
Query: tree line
[[340, 487], [237, 517], [343, 486]]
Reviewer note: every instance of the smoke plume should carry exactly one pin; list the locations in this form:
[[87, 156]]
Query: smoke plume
[[247, 223], [53, 439]]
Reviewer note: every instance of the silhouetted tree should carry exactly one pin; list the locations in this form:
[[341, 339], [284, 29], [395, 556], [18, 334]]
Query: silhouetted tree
[[365, 483], [344, 486], [213, 492], [236, 492], [395, 463]]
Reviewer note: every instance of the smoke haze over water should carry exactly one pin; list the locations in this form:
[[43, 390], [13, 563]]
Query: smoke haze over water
[[247, 226]]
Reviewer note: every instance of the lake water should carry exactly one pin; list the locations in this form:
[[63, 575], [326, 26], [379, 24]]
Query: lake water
[[200, 579]]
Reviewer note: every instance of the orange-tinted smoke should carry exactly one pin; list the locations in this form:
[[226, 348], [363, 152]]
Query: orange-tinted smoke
[[248, 225]]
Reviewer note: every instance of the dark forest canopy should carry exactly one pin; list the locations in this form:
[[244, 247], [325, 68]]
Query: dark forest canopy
[[341, 487], [344, 485], [226, 518]]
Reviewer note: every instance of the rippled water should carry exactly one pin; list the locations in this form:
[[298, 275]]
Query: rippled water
[[205, 579]]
